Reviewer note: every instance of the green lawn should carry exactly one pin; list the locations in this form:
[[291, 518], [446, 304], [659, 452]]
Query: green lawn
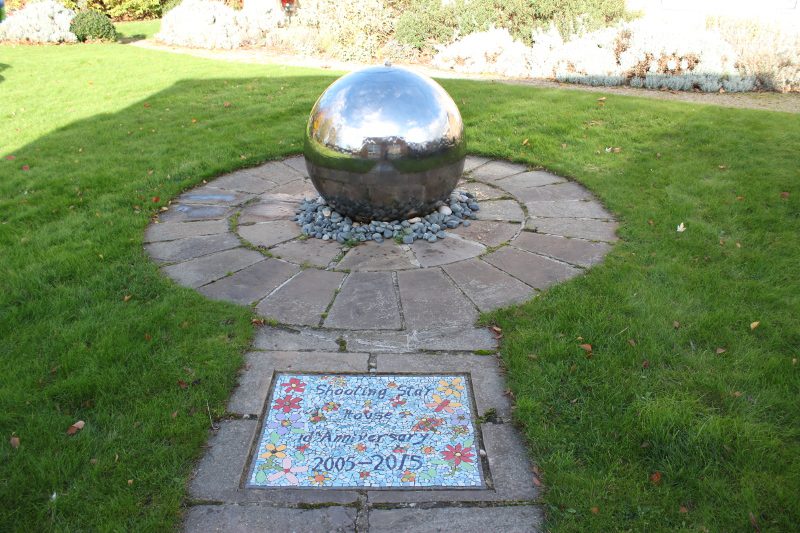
[[113, 132], [137, 30]]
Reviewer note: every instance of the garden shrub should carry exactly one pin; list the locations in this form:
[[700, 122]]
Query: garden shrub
[[425, 23], [93, 25], [356, 31], [770, 52], [39, 22], [494, 51], [212, 24]]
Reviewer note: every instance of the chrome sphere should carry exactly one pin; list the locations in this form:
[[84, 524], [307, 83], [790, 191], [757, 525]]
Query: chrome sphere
[[385, 143]]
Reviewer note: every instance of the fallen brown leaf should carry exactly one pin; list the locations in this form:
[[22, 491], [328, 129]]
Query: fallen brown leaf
[[126, 298], [93, 461], [595, 510], [26, 167], [720, 351], [536, 481], [76, 427], [754, 523], [645, 364], [586, 347], [182, 384], [754, 325], [655, 477], [174, 414], [632, 342], [602, 99], [683, 509], [130, 482], [525, 142], [676, 324], [226, 104], [785, 194], [14, 441]]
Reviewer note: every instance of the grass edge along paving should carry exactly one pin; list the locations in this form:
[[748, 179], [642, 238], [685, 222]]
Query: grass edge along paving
[[652, 429]]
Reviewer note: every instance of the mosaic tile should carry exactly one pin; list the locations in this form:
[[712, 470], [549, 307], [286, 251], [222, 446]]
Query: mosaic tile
[[368, 431]]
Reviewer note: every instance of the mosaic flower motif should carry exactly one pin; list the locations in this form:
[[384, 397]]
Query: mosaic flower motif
[[440, 404], [336, 381], [408, 477], [406, 413], [330, 406], [459, 418], [451, 388], [271, 450], [302, 448], [457, 455], [319, 478], [317, 417], [287, 403], [427, 423], [459, 430], [400, 449], [284, 422], [288, 471], [428, 450], [392, 385], [364, 474], [294, 385], [397, 401], [360, 447]]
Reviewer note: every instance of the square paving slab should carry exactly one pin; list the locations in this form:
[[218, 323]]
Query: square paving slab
[[368, 431]]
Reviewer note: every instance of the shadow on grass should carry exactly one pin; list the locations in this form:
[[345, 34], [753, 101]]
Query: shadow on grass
[[3, 67], [71, 232]]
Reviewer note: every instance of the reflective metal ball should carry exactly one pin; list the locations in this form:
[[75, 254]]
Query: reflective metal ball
[[385, 143]]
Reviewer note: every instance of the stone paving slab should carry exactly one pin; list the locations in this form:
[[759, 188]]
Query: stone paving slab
[[567, 208], [549, 193], [271, 207], [255, 518], [278, 172], [190, 213], [575, 251], [472, 162], [268, 234], [488, 383], [367, 300], [371, 256], [298, 163], [255, 378], [508, 210], [197, 272], [509, 466], [301, 187], [303, 299], [481, 190], [209, 195], [247, 180], [452, 339], [488, 287], [180, 230], [581, 228], [489, 232], [527, 180], [251, 284], [219, 473], [535, 270], [312, 252], [495, 170], [514, 519], [430, 300], [448, 250], [190, 247]]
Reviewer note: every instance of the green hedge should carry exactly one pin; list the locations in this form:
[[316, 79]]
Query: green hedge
[[427, 22]]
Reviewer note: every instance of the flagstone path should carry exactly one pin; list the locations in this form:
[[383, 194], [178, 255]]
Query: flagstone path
[[373, 308]]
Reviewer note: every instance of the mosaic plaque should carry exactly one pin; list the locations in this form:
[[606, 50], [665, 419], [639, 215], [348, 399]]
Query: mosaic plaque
[[368, 430]]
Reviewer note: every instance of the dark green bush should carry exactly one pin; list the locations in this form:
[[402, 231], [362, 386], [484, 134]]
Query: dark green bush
[[92, 25], [427, 22]]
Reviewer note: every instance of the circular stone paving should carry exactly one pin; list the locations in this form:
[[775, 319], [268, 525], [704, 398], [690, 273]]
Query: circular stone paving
[[234, 239]]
